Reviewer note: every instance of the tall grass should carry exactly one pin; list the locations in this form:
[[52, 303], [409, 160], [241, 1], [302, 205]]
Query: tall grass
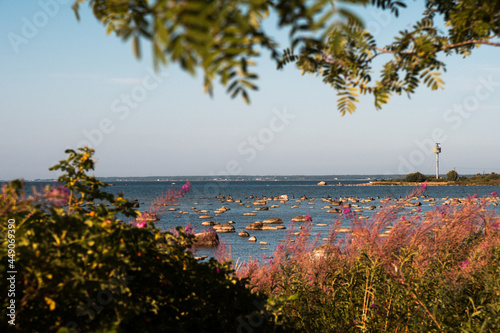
[[438, 271]]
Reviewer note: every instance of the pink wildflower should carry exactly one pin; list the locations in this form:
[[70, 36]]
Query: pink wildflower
[[186, 187], [189, 229], [140, 224], [58, 196], [347, 210], [218, 270], [494, 194], [308, 218], [424, 185], [464, 263]]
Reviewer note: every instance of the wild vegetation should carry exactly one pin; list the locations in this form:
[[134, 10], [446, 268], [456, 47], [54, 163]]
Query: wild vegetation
[[434, 272], [80, 268], [452, 178]]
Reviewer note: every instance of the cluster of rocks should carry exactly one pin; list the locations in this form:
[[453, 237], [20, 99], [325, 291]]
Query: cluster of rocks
[[333, 205], [147, 217]]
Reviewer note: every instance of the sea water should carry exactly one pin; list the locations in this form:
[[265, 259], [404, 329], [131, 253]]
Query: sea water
[[203, 196]]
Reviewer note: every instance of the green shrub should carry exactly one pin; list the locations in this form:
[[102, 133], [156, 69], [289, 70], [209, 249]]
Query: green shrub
[[80, 270], [452, 176], [415, 177], [493, 176]]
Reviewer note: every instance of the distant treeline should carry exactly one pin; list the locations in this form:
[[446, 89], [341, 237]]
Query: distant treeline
[[451, 177]]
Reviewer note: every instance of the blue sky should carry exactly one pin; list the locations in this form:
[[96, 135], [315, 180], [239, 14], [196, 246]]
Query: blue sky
[[68, 83]]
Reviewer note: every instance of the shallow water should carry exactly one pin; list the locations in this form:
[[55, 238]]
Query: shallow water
[[203, 197]]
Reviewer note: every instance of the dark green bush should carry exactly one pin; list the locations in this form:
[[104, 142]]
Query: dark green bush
[[452, 176], [81, 270], [415, 177], [493, 176]]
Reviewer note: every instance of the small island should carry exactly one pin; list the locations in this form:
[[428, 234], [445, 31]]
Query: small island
[[452, 179]]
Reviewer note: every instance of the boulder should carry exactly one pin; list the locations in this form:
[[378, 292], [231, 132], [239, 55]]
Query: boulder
[[321, 183], [146, 217], [262, 208], [252, 239], [273, 220], [205, 217], [334, 210], [249, 214], [255, 226], [259, 202], [223, 228], [300, 218], [243, 233], [268, 227], [263, 243], [208, 223], [343, 230], [325, 250], [282, 197], [206, 239]]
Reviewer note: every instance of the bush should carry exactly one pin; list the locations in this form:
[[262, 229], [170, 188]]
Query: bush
[[79, 269], [452, 176], [415, 177], [493, 176]]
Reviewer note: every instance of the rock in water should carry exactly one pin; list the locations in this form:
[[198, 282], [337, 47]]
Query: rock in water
[[206, 239], [243, 233], [300, 218], [273, 220], [224, 228], [255, 226]]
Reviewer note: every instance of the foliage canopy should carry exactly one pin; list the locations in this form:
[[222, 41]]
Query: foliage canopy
[[222, 38]]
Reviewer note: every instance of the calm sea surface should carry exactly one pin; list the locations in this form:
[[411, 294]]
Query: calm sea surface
[[203, 197]]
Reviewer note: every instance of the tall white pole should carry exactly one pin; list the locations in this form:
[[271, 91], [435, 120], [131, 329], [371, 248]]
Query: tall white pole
[[437, 165], [437, 150]]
